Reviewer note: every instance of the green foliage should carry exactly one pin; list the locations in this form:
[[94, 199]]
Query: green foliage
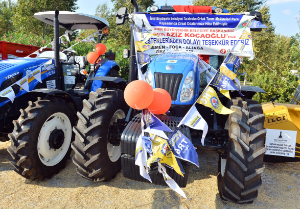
[[275, 86], [123, 63], [6, 14], [30, 39], [24, 10]]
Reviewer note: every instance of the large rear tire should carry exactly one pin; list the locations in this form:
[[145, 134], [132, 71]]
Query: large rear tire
[[41, 139], [96, 158], [240, 168]]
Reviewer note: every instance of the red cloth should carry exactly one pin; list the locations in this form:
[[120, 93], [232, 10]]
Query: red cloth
[[192, 9], [205, 58]]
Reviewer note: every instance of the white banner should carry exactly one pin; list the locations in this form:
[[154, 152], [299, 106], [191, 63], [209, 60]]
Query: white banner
[[198, 33]]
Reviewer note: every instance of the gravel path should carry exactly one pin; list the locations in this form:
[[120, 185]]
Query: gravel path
[[280, 189]]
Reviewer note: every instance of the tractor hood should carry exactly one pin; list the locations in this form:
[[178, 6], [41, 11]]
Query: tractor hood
[[171, 63], [169, 72], [15, 69]]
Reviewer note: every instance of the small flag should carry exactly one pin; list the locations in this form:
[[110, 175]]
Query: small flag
[[153, 125], [23, 83], [232, 60], [143, 58], [194, 120], [209, 98], [169, 181], [225, 93], [141, 158], [163, 154], [37, 74], [223, 82], [244, 44], [224, 69], [9, 93], [256, 24], [183, 148], [147, 144]]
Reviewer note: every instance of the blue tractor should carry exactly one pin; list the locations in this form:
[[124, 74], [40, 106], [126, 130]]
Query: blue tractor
[[50, 90], [238, 137]]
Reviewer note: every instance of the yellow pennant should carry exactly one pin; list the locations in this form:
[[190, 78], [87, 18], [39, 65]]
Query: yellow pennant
[[209, 98], [227, 72], [141, 46], [246, 35], [225, 93], [163, 154]]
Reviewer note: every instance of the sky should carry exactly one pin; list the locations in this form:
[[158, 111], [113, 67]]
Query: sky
[[283, 12]]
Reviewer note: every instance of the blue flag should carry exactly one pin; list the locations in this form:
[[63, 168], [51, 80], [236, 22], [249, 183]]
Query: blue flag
[[233, 60], [153, 122], [223, 82], [183, 148], [256, 24], [147, 144], [143, 58]]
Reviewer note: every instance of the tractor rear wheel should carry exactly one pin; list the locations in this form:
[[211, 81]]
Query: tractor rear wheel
[[41, 139], [97, 142], [241, 167]]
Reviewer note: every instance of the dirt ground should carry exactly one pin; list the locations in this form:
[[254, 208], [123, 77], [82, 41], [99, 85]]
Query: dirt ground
[[280, 189]]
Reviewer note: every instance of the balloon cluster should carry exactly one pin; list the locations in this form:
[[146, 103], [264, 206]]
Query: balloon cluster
[[93, 56], [140, 95]]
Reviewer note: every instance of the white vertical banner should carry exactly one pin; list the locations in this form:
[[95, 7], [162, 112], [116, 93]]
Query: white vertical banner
[[37, 74], [9, 93]]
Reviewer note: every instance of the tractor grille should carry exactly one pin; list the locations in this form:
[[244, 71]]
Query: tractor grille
[[168, 82], [4, 66]]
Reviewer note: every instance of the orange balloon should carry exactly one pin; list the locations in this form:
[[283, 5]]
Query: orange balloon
[[161, 102], [138, 94], [92, 57], [100, 49]]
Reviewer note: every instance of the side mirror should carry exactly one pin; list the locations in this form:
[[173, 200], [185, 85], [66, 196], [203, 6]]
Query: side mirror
[[258, 17], [121, 16], [126, 53]]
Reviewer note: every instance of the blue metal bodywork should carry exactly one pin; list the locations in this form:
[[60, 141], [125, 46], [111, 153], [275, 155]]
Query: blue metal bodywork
[[25, 66], [102, 71], [183, 63], [12, 67]]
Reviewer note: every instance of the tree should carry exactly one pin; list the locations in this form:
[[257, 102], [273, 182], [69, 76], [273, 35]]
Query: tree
[[121, 33], [6, 14], [24, 21]]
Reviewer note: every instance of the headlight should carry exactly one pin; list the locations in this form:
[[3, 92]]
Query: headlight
[[149, 77], [187, 90]]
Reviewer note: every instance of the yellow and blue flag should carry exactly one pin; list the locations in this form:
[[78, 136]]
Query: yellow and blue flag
[[183, 148], [209, 98], [162, 153]]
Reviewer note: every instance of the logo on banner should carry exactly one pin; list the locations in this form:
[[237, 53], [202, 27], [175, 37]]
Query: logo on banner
[[4, 94], [243, 25], [146, 46], [215, 103], [223, 51], [164, 149], [250, 36], [195, 121]]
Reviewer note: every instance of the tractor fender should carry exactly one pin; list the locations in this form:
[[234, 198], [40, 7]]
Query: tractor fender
[[247, 91], [109, 80], [55, 92], [103, 71]]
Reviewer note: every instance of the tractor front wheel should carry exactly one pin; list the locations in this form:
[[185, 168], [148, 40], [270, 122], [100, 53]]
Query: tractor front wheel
[[241, 167]]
